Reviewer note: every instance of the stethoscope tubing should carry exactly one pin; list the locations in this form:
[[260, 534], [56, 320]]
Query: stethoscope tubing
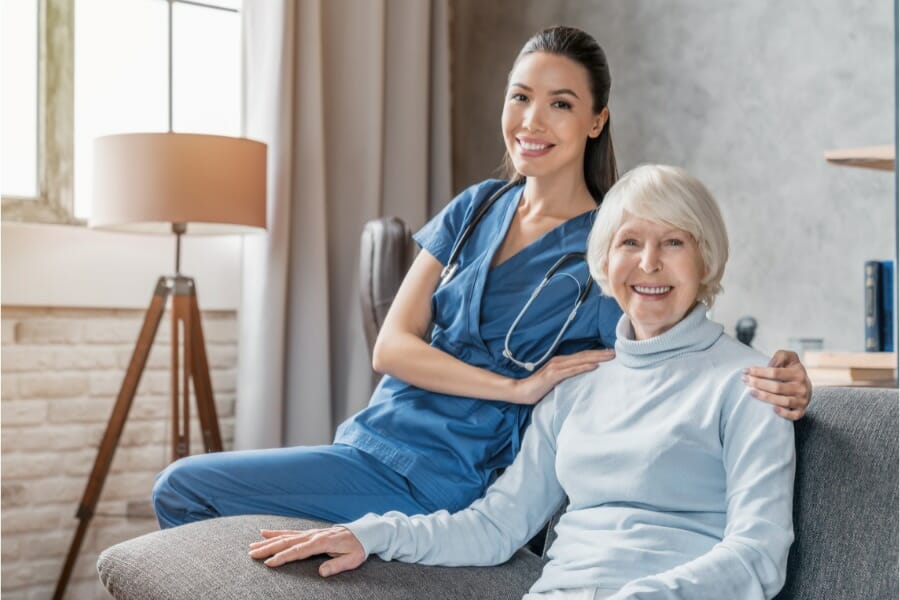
[[582, 296], [452, 267]]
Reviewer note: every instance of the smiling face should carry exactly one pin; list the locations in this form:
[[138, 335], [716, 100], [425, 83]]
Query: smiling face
[[548, 116], [655, 271]]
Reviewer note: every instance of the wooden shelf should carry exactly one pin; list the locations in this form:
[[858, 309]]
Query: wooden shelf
[[850, 360], [855, 369], [870, 157]]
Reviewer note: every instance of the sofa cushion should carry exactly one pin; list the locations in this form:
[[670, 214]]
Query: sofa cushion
[[845, 497], [209, 560]]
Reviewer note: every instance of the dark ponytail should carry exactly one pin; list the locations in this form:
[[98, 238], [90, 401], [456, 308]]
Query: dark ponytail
[[600, 170]]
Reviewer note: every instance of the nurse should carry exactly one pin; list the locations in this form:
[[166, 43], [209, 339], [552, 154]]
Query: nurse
[[451, 411]]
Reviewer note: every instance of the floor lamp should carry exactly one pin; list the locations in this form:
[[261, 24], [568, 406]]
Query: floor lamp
[[172, 183]]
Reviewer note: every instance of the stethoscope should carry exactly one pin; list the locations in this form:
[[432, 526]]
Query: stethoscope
[[452, 266]]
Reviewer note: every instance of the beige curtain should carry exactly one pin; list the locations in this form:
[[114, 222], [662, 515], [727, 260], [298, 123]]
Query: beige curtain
[[352, 97]]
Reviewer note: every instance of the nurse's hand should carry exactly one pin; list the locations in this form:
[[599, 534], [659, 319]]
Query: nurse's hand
[[783, 383], [286, 545], [534, 387]]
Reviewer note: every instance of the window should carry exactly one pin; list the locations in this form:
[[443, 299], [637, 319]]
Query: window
[[19, 154], [35, 158], [103, 69]]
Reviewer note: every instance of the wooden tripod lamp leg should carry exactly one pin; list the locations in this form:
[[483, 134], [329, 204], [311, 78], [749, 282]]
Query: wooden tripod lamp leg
[[181, 372], [188, 345], [206, 406], [186, 320], [114, 429]]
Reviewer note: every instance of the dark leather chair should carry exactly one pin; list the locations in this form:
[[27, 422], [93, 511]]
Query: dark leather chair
[[386, 251]]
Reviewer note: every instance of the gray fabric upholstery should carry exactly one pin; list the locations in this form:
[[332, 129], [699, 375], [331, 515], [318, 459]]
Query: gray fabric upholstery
[[209, 560], [845, 498], [846, 520]]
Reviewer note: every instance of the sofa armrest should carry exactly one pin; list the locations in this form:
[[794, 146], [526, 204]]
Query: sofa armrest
[[208, 559]]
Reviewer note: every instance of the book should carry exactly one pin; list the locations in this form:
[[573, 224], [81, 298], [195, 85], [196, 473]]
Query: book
[[886, 307], [872, 305], [860, 360]]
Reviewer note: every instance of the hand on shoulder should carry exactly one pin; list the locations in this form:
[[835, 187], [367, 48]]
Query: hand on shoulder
[[537, 385], [783, 383]]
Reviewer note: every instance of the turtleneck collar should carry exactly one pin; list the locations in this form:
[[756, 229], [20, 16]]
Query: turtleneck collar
[[694, 333]]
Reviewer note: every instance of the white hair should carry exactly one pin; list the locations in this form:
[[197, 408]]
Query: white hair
[[668, 196]]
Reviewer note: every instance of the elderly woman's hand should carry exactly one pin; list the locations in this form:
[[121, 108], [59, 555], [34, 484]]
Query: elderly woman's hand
[[286, 545], [783, 383]]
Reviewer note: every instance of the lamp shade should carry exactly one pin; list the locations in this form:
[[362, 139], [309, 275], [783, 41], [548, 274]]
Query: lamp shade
[[145, 182]]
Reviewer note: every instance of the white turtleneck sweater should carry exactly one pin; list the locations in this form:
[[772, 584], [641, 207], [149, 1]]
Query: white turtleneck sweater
[[679, 483]]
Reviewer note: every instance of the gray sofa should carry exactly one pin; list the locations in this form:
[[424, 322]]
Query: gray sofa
[[845, 517], [845, 510]]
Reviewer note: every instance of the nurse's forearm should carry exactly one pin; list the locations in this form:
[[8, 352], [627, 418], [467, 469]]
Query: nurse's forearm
[[408, 357], [401, 350]]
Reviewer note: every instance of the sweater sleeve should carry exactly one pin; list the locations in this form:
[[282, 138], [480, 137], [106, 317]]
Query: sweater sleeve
[[751, 560], [493, 527]]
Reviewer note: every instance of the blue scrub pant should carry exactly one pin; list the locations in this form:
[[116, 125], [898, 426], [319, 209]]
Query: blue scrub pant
[[335, 483]]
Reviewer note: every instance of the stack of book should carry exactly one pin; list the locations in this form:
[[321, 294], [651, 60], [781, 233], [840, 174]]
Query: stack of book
[[868, 369]]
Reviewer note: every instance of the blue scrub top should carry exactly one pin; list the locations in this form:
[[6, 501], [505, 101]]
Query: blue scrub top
[[449, 446]]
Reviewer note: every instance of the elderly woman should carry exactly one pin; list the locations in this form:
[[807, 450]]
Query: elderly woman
[[679, 484]]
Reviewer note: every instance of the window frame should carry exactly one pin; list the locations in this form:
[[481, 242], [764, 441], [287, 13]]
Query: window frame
[[56, 121], [55, 202]]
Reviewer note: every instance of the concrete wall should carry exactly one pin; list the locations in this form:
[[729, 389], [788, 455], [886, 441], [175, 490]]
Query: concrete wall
[[747, 96]]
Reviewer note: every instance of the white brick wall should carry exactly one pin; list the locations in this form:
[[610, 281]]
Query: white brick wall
[[61, 372]]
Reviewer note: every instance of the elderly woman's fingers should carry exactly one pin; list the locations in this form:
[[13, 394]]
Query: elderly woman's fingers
[[272, 547], [270, 533], [344, 562], [267, 541], [297, 551]]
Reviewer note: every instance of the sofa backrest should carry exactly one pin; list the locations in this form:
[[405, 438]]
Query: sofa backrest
[[845, 497]]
